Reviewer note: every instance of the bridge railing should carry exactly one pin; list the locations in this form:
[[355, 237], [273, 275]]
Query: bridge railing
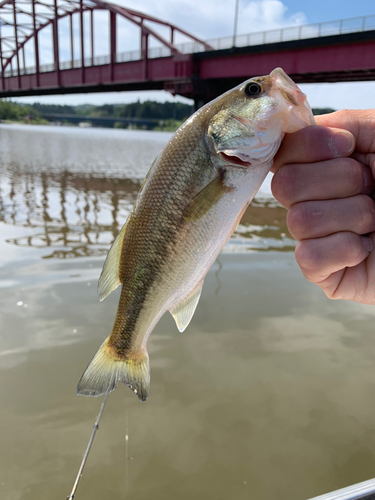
[[303, 31], [298, 32]]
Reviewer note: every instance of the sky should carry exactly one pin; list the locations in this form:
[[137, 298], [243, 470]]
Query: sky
[[210, 19]]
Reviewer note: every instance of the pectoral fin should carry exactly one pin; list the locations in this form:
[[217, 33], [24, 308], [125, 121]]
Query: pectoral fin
[[110, 277], [205, 200], [184, 311]]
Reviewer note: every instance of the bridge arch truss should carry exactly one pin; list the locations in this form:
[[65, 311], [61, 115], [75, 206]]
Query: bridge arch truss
[[23, 21]]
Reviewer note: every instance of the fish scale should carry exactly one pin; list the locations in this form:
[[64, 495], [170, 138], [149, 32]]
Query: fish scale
[[189, 205]]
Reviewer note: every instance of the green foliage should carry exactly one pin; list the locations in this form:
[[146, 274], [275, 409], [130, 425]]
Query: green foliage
[[84, 109], [167, 116], [37, 120], [8, 111], [148, 109], [53, 108], [105, 110], [169, 125], [156, 110], [17, 112]]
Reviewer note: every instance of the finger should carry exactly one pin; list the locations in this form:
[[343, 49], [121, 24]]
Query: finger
[[361, 123], [338, 178], [353, 283], [367, 159], [316, 219], [319, 258], [312, 144]]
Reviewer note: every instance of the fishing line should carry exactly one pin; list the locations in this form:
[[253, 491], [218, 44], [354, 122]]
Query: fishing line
[[96, 427]]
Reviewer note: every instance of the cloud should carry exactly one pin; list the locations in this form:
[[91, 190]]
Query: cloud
[[353, 95], [215, 18], [206, 20]]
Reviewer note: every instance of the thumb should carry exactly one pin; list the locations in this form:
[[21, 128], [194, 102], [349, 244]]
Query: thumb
[[359, 122], [313, 144]]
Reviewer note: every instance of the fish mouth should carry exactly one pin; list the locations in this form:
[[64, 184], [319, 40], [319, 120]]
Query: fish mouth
[[294, 101], [235, 160], [287, 88], [260, 143], [252, 157]]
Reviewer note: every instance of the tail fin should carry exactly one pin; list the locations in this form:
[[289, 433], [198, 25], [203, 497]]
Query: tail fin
[[105, 371]]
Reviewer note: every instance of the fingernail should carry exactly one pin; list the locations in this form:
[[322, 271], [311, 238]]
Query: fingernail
[[342, 143], [367, 243]]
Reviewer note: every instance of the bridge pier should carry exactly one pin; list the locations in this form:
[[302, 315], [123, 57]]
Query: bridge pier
[[199, 102]]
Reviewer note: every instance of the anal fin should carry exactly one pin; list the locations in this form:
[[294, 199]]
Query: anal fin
[[184, 311]]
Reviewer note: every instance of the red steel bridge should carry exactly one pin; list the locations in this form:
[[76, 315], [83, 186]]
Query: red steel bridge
[[66, 34]]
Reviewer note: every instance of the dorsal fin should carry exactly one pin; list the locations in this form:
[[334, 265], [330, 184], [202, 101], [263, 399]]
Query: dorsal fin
[[184, 311], [110, 277]]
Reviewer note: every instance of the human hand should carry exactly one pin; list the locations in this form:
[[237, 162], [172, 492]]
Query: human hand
[[325, 178]]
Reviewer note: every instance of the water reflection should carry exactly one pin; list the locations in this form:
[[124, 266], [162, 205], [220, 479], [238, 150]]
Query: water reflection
[[79, 213], [74, 215]]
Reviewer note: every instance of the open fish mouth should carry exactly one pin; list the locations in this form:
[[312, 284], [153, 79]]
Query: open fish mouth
[[253, 156], [259, 143], [235, 160]]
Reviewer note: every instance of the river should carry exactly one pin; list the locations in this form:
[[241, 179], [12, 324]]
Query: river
[[269, 393]]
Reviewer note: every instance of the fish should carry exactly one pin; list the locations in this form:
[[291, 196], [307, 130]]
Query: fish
[[189, 204]]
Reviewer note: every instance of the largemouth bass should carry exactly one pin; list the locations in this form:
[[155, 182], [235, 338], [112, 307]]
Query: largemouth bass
[[190, 203]]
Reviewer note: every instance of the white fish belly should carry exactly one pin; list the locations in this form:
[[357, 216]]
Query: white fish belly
[[200, 243]]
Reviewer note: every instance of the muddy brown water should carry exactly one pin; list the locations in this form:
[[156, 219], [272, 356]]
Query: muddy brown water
[[269, 394]]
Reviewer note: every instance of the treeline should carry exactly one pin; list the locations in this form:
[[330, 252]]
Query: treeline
[[165, 115], [18, 112], [147, 109], [322, 111]]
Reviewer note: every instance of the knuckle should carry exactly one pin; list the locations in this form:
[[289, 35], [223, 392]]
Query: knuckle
[[298, 220], [353, 249], [306, 258], [364, 213], [283, 185], [334, 294], [330, 293], [352, 174]]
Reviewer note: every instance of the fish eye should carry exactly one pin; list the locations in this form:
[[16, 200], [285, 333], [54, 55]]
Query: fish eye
[[253, 88]]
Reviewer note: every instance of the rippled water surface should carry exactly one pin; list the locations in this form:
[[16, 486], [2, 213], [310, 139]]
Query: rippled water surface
[[268, 394]]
